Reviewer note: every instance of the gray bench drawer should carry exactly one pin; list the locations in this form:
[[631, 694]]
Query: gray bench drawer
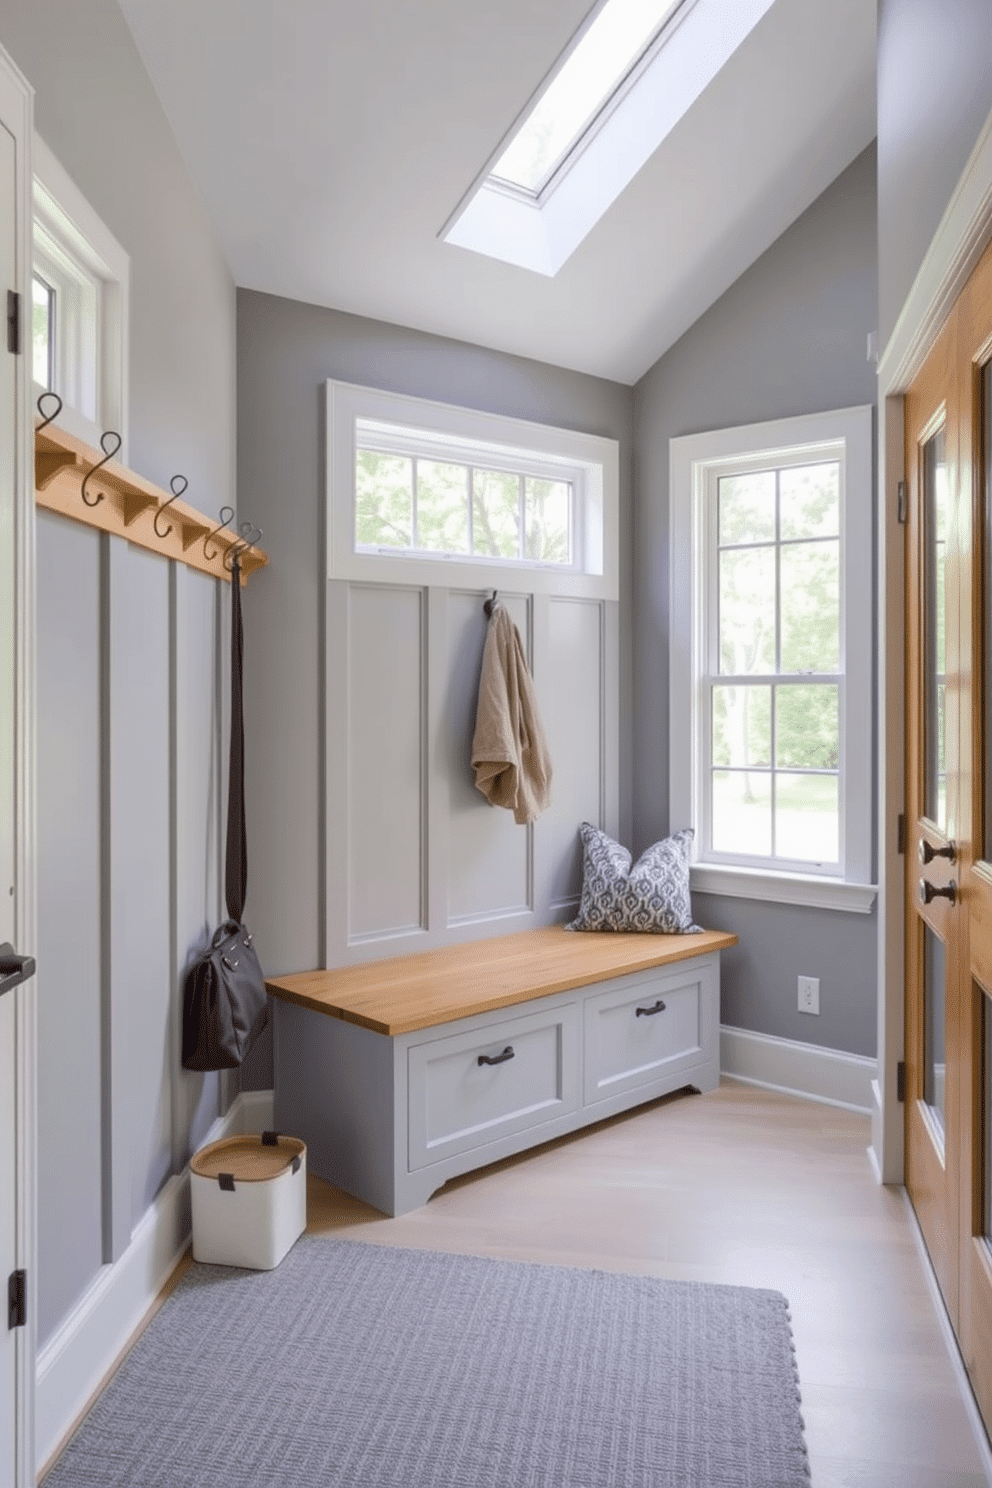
[[456, 1103], [647, 1029]]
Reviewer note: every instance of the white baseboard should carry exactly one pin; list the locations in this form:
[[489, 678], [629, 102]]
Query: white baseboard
[[806, 1070], [76, 1358]]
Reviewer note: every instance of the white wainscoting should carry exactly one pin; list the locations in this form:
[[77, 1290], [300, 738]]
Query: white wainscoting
[[416, 857], [806, 1070], [74, 1361]]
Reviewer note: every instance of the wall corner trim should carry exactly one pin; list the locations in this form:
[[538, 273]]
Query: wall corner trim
[[74, 1362], [807, 1070]]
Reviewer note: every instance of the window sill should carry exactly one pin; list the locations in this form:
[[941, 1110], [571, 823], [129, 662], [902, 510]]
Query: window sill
[[782, 888]]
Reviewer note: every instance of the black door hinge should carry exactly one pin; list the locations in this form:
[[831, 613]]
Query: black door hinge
[[13, 322], [901, 834], [902, 494], [17, 1299], [901, 1080]]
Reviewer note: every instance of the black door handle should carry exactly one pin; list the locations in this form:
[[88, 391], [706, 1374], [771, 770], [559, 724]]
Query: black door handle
[[14, 969], [930, 891]]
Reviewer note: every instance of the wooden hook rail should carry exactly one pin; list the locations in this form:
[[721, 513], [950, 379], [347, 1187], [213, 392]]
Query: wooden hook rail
[[129, 505]]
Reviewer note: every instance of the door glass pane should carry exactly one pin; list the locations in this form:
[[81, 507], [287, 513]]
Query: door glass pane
[[934, 1004], [935, 519]]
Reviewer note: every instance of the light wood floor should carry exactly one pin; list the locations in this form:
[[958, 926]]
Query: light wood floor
[[743, 1186]]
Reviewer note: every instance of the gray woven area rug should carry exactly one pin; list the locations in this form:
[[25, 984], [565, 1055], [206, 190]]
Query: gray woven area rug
[[363, 1366]]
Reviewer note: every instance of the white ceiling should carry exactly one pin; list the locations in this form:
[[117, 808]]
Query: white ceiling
[[331, 140]]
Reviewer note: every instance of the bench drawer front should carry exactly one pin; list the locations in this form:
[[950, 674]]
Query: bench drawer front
[[644, 1030], [456, 1103]]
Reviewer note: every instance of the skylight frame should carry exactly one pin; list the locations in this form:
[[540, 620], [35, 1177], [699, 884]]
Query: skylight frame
[[541, 236], [596, 117]]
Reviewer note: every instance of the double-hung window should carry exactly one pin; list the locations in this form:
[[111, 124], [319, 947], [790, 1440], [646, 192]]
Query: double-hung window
[[771, 657]]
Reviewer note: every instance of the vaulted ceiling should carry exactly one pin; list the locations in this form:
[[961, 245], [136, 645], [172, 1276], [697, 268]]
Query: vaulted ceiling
[[331, 140]]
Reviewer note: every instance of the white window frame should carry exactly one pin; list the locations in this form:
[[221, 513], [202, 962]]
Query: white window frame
[[90, 272], [695, 463], [589, 461]]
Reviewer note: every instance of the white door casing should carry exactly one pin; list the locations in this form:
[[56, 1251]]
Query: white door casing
[[17, 898]]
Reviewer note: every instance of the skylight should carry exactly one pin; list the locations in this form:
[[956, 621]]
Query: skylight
[[605, 54], [618, 93]]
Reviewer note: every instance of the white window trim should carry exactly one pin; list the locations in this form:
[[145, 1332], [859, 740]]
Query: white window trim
[[594, 457], [692, 460], [66, 217]]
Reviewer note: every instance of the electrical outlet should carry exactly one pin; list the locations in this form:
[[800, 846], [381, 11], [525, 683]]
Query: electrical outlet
[[809, 994]]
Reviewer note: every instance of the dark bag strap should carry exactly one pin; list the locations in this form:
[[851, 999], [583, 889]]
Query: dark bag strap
[[237, 843]]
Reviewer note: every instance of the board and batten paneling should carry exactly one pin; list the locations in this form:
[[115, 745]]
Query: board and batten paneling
[[384, 719], [70, 903], [131, 793], [489, 872], [582, 703], [200, 621], [417, 858]]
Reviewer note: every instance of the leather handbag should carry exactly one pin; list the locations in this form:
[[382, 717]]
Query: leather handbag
[[225, 1004]]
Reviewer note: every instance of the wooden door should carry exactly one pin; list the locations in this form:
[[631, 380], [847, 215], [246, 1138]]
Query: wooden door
[[974, 379], [949, 807]]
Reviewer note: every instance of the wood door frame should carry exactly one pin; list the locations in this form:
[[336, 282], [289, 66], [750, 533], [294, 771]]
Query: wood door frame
[[17, 113], [959, 242]]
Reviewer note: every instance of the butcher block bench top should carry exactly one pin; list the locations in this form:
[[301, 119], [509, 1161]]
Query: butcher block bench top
[[420, 991]]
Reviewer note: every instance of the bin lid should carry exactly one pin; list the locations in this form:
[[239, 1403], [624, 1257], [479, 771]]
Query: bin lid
[[247, 1159]]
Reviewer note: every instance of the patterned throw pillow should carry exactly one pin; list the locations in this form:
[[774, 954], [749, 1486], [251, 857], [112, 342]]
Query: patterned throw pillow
[[651, 896]]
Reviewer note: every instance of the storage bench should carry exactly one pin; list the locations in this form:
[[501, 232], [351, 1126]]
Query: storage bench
[[400, 1074]]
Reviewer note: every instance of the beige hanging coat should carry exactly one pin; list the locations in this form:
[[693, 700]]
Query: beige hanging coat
[[509, 750]]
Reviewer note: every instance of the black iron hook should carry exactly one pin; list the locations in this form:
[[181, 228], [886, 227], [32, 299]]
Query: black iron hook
[[250, 535], [108, 454], [225, 522], [47, 419], [490, 605], [174, 497]]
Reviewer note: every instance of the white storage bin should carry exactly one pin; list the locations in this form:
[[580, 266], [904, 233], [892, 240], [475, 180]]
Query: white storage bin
[[249, 1198]]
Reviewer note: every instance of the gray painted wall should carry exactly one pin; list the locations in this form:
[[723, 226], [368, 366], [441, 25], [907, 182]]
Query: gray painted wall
[[934, 96], [286, 351], [130, 710], [790, 337]]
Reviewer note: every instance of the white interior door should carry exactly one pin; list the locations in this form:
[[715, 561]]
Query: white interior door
[[8, 1071]]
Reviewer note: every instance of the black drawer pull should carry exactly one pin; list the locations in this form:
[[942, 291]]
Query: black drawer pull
[[659, 1007], [497, 1058]]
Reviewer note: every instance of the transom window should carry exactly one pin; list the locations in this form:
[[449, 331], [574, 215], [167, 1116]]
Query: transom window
[[770, 661], [421, 495], [433, 493]]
